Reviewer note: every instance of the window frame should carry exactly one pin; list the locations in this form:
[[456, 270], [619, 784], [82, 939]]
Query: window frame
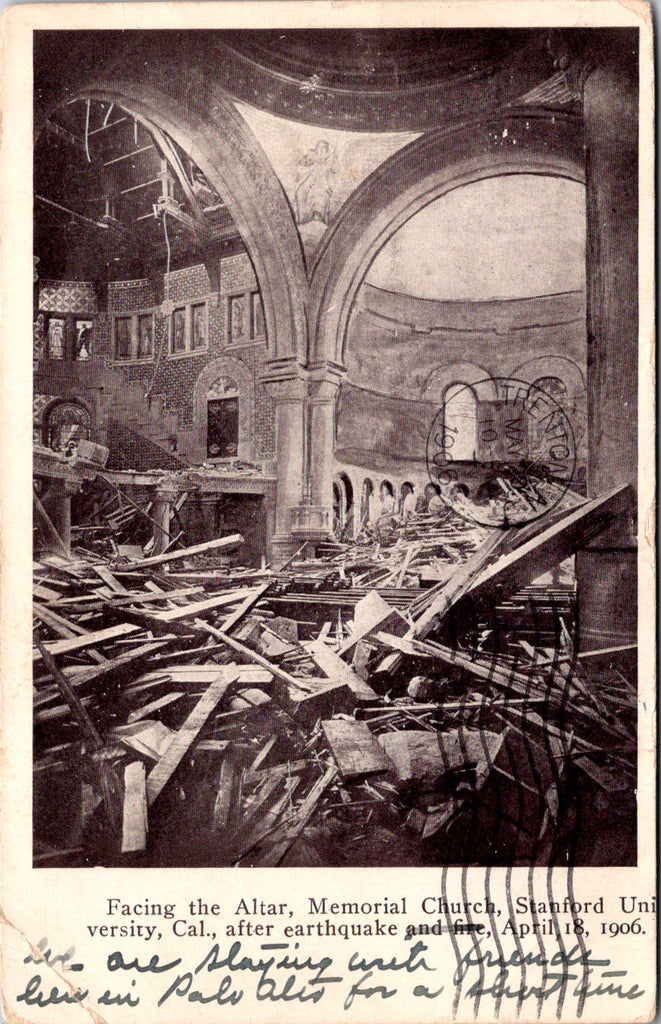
[[134, 318], [458, 386], [57, 318], [188, 349]]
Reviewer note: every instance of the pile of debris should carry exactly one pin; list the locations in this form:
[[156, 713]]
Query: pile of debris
[[415, 700]]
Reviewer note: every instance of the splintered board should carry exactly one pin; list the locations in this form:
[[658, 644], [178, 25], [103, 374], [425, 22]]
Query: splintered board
[[355, 749], [162, 772]]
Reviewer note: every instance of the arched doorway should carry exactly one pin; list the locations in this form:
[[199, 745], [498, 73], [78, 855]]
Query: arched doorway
[[222, 402], [343, 507], [65, 424]]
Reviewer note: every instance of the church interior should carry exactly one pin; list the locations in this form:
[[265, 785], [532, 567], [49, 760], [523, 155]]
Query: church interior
[[335, 341]]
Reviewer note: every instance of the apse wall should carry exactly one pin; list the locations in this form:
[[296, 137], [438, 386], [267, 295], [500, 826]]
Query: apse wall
[[402, 353]]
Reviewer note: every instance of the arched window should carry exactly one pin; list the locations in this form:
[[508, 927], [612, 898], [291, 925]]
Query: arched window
[[65, 425], [459, 423], [366, 501], [387, 497], [342, 507], [556, 389], [223, 419]]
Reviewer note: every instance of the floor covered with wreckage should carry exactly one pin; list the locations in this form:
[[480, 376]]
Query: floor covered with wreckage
[[414, 697]]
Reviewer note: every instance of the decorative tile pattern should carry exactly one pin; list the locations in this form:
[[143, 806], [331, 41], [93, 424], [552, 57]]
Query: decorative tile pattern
[[67, 297]]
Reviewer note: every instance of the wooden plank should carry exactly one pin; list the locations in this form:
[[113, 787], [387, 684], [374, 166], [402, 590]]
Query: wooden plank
[[372, 613], [209, 604], [162, 772], [244, 842], [87, 675], [331, 663], [104, 572], [220, 543], [193, 675], [251, 655], [73, 700], [275, 854], [79, 643], [223, 802], [135, 597], [516, 570], [38, 590], [60, 625], [134, 821], [605, 652], [264, 752], [251, 600], [320, 698], [154, 705], [413, 549], [355, 748]]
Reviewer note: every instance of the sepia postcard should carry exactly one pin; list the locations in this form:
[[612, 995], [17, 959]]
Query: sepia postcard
[[328, 522]]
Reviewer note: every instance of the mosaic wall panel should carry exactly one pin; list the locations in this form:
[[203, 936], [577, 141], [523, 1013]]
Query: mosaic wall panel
[[67, 297]]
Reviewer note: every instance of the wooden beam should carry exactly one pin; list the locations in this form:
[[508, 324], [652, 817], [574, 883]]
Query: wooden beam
[[355, 748], [220, 543], [163, 770], [184, 611], [134, 822], [90, 732], [243, 609], [251, 655], [78, 643], [516, 570]]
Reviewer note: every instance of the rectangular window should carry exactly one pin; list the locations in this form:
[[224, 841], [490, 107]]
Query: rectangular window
[[178, 332], [56, 335], [236, 320], [123, 337], [189, 329], [222, 428], [257, 328], [199, 326], [145, 336], [133, 337], [84, 331]]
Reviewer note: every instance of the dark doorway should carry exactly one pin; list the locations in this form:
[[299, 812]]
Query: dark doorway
[[222, 428]]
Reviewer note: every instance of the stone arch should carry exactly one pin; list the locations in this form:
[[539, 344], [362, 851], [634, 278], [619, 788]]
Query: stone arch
[[526, 141], [143, 77], [236, 371], [51, 410], [576, 402], [553, 366]]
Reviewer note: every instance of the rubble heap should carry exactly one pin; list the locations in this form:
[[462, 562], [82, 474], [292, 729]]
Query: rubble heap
[[417, 696]]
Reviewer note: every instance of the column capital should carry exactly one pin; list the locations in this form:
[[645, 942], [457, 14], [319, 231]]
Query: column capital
[[325, 379], [167, 492], [284, 371], [287, 390]]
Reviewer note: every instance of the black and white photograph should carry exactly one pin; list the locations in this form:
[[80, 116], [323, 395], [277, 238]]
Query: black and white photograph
[[336, 519], [275, 671]]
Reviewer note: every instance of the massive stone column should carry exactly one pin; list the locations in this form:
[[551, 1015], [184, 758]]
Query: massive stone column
[[607, 569], [323, 394], [289, 396]]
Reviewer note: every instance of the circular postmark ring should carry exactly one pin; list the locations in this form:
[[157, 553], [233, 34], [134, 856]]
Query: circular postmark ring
[[524, 446]]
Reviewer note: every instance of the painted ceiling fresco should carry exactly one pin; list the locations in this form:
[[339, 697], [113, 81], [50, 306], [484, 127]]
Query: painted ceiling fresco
[[319, 168]]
